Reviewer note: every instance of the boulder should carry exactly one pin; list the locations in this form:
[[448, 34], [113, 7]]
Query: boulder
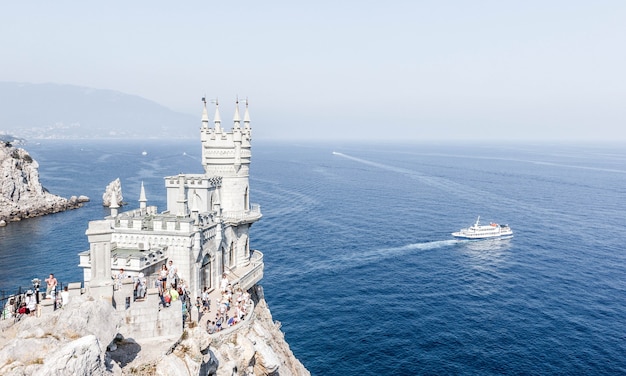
[[68, 341], [114, 186]]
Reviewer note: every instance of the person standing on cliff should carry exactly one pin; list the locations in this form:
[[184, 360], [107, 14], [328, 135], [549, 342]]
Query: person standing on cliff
[[51, 283], [172, 276], [65, 297]]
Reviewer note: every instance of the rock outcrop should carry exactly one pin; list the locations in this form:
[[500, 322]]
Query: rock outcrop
[[21, 194], [114, 188], [70, 341], [258, 347], [82, 339]]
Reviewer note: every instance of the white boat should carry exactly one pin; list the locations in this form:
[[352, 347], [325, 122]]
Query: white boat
[[493, 230]]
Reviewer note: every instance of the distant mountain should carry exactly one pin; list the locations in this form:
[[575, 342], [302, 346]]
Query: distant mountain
[[66, 111]]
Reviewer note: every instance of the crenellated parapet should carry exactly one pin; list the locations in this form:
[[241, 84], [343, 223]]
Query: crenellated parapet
[[226, 153]]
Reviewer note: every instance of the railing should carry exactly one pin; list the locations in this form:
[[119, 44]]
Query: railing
[[243, 215], [8, 310], [252, 275]]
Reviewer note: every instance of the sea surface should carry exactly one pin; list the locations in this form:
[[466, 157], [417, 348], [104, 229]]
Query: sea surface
[[360, 266]]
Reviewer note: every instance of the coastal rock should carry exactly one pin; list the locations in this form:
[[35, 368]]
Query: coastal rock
[[71, 340], [21, 193], [74, 341], [114, 186], [79, 357], [256, 348]]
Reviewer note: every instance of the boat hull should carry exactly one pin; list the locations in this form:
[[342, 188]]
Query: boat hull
[[481, 237], [478, 232]]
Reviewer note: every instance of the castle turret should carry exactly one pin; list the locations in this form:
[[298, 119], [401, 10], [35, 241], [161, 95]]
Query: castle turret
[[217, 119], [236, 117], [205, 116], [182, 198], [114, 206], [99, 235], [142, 198], [246, 122]]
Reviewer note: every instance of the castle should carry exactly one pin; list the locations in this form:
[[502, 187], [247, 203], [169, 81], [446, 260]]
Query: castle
[[204, 230]]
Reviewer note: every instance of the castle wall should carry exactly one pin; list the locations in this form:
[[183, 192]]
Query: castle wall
[[144, 319]]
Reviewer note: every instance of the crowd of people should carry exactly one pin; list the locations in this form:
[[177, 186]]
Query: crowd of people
[[231, 308]]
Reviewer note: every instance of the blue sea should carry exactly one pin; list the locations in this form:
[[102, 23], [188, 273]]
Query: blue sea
[[360, 266]]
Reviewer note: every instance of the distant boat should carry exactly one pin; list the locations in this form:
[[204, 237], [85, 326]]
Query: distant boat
[[475, 232], [144, 153]]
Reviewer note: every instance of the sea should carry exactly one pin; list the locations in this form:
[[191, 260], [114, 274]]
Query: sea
[[361, 269]]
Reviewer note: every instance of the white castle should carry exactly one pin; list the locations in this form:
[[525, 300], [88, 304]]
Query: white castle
[[204, 230]]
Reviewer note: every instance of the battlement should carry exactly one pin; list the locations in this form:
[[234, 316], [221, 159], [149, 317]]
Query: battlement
[[226, 153]]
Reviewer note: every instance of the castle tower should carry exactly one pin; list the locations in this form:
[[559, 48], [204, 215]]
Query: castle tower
[[99, 235], [228, 155]]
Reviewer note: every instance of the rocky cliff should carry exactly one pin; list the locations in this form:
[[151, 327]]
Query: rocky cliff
[[258, 347], [21, 193], [82, 339]]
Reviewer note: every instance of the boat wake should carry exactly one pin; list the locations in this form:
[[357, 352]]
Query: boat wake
[[356, 259]]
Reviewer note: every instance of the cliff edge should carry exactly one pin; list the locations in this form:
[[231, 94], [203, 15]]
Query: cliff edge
[[257, 347], [82, 339], [21, 194]]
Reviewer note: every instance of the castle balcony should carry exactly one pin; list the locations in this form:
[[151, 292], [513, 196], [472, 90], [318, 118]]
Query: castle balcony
[[247, 276], [243, 216], [132, 260]]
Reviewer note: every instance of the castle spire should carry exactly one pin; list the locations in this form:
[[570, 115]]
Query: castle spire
[[142, 197], [217, 120], [236, 118], [205, 115], [246, 118]]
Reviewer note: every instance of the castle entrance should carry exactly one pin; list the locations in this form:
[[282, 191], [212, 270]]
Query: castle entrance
[[205, 272]]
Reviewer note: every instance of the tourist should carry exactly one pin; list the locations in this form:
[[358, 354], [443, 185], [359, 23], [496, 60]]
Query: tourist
[[223, 308], [31, 302], [119, 278], [211, 327], [51, 285], [173, 294], [206, 301], [166, 298], [65, 297], [182, 288], [163, 276], [231, 321], [172, 275], [140, 286], [218, 323], [224, 283]]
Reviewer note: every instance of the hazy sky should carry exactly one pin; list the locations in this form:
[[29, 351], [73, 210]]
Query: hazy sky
[[381, 70]]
